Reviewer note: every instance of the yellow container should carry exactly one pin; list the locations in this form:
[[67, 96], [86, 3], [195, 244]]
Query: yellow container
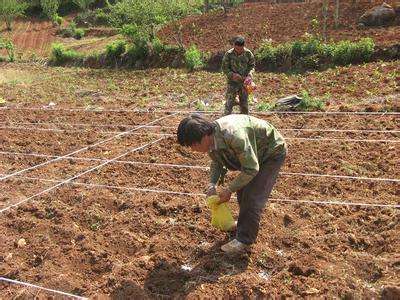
[[221, 216]]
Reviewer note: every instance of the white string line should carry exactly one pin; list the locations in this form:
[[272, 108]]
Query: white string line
[[332, 202], [83, 149], [171, 135], [40, 288], [174, 127], [200, 111], [79, 175], [183, 166], [86, 124]]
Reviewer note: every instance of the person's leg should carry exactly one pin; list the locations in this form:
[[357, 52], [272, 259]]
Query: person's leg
[[244, 101], [230, 97], [253, 198]]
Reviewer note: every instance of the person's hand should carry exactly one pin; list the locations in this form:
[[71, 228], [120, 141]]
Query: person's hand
[[211, 190], [237, 77], [224, 195]]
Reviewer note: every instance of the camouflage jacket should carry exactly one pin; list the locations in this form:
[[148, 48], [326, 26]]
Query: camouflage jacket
[[244, 143], [243, 64]]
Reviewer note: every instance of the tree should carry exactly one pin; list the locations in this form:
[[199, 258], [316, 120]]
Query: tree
[[336, 16], [50, 8], [325, 4], [83, 4], [10, 9]]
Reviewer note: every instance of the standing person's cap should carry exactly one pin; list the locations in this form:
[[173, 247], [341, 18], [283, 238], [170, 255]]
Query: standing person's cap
[[238, 41]]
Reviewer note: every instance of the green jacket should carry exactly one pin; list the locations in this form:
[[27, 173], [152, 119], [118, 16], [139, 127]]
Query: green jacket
[[244, 143], [243, 64]]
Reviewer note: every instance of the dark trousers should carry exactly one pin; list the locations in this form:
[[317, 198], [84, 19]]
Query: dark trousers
[[230, 99], [253, 198]]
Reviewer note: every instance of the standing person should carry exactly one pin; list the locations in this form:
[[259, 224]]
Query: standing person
[[242, 143], [237, 64]]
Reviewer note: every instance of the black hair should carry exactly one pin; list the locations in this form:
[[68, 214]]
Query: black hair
[[239, 41], [193, 128]]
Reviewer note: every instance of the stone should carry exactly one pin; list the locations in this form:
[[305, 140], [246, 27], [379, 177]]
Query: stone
[[378, 15]]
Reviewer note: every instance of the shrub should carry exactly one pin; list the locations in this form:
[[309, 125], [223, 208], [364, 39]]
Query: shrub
[[83, 4], [148, 13], [79, 33], [266, 54], [10, 9], [50, 8], [193, 58], [9, 47], [346, 52], [61, 56], [139, 39], [58, 20], [92, 18], [115, 49], [311, 53]]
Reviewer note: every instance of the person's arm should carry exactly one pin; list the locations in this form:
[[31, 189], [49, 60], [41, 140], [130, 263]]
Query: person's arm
[[226, 67], [215, 172], [251, 65], [241, 145]]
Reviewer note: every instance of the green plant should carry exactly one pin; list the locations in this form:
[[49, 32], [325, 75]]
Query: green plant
[[193, 58], [50, 8], [266, 53], [149, 13], [79, 33], [83, 4], [346, 52], [115, 49], [61, 56], [58, 20], [265, 106], [9, 47], [309, 103], [10, 9]]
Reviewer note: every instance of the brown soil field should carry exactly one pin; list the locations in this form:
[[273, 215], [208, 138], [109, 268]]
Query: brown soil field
[[279, 22], [103, 236]]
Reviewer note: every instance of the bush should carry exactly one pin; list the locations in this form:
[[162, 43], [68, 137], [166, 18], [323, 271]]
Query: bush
[[50, 8], [92, 18], [72, 31], [312, 53], [58, 20], [10, 9], [115, 49], [139, 39], [346, 52], [193, 58], [61, 56], [79, 33], [9, 47], [83, 4], [266, 53], [149, 13]]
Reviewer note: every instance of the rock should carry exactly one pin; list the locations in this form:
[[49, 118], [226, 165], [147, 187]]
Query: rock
[[8, 257], [378, 15], [21, 243], [390, 293]]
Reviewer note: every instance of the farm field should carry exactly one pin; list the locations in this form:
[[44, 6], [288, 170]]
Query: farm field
[[280, 23], [125, 216], [99, 201]]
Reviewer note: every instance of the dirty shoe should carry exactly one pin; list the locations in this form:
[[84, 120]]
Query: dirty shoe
[[234, 247]]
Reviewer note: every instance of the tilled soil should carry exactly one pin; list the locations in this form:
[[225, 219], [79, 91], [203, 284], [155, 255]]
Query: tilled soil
[[119, 242], [277, 22]]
